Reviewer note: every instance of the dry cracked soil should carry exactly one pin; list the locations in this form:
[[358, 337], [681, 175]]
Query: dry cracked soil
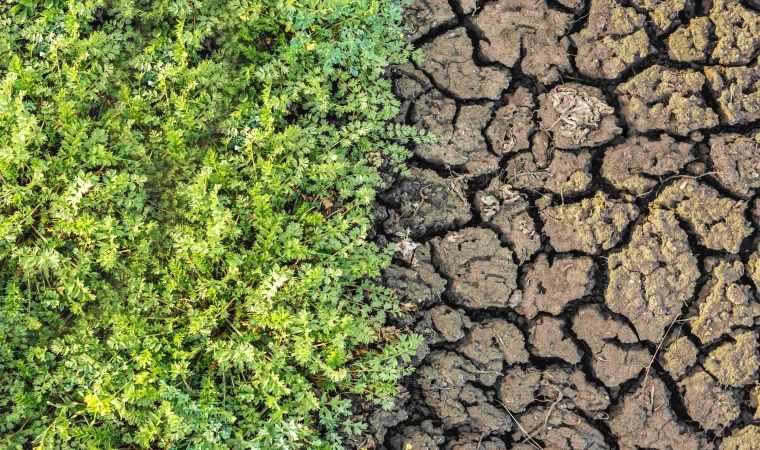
[[579, 247]]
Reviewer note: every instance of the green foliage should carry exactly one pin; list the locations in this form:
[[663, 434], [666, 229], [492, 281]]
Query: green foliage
[[185, 190]]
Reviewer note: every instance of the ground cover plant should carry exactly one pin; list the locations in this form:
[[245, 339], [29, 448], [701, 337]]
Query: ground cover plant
[[185, 188]]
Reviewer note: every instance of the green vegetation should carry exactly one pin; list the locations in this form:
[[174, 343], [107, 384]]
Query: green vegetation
[[185, 188]]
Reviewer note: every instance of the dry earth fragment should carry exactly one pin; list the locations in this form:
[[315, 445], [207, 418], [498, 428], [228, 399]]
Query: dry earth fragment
[[592, 225], [527, 30], [638, 163], [577, 116], [678, 357], [558, 427], [735, 363], [512, 125], [753, 267], [718, 221], [737, 162], [653, 276], [693, 43], [491, 345], [486, 419], [738, 32], [725, 303], [548, 340], [446, 385], [424, 203], [421, 16], [464, 443], [664, 13], [518, 388], [550, 287], [613, 41], [460, 141], [507, 211], [644, 420], [481, 271], [420, 284], [410, 82], [737, 90], [664, 99], [708, 403], [578, 391], [567, 173], [748, 438], [448, 60], [612, 361], [449, 322], [415, 438], [575, 5]]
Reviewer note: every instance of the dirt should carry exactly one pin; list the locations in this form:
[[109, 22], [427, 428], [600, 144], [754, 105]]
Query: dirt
[[549, 287], [518, 388], [410, 82], [527, 32], [579, 248], [477, 444], [615, 355], [613, 41], [725, 302], [753, 266], [555, 394], [679, 356], [748, 438], [458, 131], [417, 284], [446, 382], [448, 61], [414, 438], [708, 403], [664, 99], [664, 14], [638, 164], [548, 340], [424, 203], [558, 427], [736, 91], [566, 174], [449, 323], [591, 226], [491, 346], [644, 419], [653, 276], [737, 163], [513, 125], [692, 43], [480, 271], [737, 30], [735, 363], [719, 222], [425, 15], [506, 211]]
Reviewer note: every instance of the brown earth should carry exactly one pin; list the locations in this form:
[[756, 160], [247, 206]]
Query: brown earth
[[579, 248]]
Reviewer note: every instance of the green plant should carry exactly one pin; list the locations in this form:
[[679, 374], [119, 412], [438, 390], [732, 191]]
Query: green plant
[[185, 189]]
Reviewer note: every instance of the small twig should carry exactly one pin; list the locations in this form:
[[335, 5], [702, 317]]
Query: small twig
[[551, 408], [529, 438], [659, 346]]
